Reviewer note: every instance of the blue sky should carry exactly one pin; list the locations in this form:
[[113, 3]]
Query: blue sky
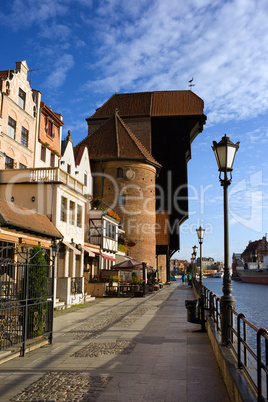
[[86, 50]]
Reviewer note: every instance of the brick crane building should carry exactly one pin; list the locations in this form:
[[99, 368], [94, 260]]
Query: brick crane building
[[158, 128]]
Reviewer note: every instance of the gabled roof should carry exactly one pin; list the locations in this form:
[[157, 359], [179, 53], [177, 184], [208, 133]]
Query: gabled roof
[[115, 140], [23, 219], [78, 153], [65, 142], [252, 246], [153, 104], [47, 111], [4, 74]]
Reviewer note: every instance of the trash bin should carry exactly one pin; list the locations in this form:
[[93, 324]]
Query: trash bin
[[193, 311]]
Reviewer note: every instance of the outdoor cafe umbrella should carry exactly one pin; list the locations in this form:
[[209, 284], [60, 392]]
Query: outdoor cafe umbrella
[[129, 264]]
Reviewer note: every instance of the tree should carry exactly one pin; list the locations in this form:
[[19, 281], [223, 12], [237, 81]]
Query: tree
[[37, 292]]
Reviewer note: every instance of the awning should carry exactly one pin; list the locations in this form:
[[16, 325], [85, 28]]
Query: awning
[[87, 250], [69, 245], [105, 256], [108, 257]]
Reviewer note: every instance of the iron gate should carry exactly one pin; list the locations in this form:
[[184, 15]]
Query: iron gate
[[26, 299]]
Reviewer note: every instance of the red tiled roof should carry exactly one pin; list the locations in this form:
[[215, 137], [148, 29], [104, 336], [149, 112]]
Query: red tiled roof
[[78, 153], [114, 139], [20, 218], [48, 111], [4, 74], [154, 104]]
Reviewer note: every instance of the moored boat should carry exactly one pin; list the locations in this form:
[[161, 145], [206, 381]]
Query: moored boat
[[218, 274], [253, 275]]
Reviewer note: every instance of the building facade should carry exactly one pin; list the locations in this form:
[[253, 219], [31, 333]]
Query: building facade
[[18, 118], [165, 123]]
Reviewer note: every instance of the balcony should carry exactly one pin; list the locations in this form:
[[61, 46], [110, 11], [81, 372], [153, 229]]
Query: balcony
[[40, 175]]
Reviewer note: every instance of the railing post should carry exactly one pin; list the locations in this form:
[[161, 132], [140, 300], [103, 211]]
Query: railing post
[[26, 295], [53, 299], [266, 362], [211, 305], [260, 332], [245, 340], [218, 301], [239, 364]]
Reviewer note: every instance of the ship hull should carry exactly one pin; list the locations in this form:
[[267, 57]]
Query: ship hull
[[252, 276]]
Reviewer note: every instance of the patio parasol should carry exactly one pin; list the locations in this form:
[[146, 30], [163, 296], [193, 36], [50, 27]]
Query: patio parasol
[[129, 264]]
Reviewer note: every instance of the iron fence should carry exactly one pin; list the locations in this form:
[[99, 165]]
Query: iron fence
[[249, 344], [76, 285], [26, 300]]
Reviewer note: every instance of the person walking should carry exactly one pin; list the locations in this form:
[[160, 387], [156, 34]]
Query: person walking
[[189, 279], [183, 279]]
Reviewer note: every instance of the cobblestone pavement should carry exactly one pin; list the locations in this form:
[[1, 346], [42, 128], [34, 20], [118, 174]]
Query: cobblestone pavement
[[139, 349]]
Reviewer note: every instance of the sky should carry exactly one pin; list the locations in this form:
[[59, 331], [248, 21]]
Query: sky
[[81, 52]]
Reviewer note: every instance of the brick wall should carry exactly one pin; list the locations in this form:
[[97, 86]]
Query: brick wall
[[138, 214]]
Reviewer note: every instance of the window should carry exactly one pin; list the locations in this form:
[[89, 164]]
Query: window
[[79, 216], [11, 128], [43, 153], [24, 136], [85, 179], [121, 200], [21, 98], [110, 230], [72, 213], [119, 172], [50, 128], [7, 252], [68, 168], [52, 160], [22, 166], [9, 163], [63, 212]]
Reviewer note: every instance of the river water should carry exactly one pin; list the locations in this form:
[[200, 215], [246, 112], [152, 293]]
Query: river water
[[250, 299]]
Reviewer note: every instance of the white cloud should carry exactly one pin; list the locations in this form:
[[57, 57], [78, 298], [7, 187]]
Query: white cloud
[[55, 32], [221, 45], [59, 72], [25, 13]]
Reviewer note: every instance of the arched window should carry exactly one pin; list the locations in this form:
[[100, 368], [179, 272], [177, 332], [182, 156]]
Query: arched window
[[119, 172]]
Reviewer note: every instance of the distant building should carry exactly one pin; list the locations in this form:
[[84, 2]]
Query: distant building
[[207, 262], [236, 258], [255, 251], [178, 266]]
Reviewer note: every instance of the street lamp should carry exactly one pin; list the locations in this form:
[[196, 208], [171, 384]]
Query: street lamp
[[54, 252], [194, 257], [225, 152], [200, 234]]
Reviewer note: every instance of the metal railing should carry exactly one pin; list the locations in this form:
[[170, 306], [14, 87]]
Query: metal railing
[[249, 344], [26, 306], [76, 285]]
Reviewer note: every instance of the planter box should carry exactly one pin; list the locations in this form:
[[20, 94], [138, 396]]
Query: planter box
[[97, 289]]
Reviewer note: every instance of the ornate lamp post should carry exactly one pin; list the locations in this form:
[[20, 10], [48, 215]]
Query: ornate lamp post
[[194, 257], [54, 252], [225, 152], [200, 234]]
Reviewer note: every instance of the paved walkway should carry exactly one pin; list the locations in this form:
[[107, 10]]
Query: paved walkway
[[138, 349]]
